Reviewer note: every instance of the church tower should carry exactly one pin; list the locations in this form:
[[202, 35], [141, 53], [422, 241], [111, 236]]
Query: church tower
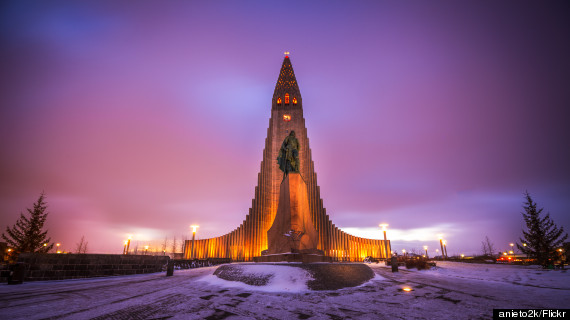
[[250, 238]]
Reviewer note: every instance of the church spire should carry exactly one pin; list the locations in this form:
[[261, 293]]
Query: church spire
[[287, 93]]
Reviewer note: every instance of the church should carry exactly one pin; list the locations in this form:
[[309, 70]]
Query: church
[[250, 238]]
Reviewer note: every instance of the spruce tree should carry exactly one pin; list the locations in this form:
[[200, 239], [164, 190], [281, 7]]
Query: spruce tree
[[27, 234], [542, 236]]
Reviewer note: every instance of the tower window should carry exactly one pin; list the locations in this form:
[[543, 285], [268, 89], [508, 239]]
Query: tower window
[[286, 98], [278, 100], [294, 101]]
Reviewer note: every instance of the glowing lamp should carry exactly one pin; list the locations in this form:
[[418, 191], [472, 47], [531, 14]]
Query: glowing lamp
[[384, 226], [407, 289], [194, 228]]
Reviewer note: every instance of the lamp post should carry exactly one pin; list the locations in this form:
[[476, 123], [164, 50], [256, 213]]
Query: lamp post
[[441, 244], [404, 252], [125, 247], [512, 247], [57, 245], [145, 250], [445, 248], [425, 248], [194, 228], [384, 227]]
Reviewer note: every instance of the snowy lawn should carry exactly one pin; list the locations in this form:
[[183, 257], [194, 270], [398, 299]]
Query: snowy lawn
[[453, 290]]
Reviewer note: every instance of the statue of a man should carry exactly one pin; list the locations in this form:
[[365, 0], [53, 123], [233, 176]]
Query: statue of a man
[[288, 158]]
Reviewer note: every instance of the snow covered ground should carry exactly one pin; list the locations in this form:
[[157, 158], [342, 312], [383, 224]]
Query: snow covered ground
[[453, 290]]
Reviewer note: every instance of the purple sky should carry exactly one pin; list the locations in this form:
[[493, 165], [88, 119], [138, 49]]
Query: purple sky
[[144, 118]]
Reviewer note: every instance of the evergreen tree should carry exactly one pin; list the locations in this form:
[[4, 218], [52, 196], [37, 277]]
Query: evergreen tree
[[27, 234], [542, 236]]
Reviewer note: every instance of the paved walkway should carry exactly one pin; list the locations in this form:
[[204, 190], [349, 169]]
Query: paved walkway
[[155, 296]]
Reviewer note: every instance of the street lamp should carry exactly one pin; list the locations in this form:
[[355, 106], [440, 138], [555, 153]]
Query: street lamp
[[145, 250], [384, 226], [57, 250], [512, 247], [425, 248], [125, 247], [462, 255], [445, 248], [194, 228], [441, 244], [404, 252]]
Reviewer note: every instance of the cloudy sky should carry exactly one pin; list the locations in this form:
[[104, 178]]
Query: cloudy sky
[[143, 118]]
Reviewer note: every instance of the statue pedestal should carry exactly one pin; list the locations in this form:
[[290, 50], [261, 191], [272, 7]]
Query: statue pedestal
[[292, 236]]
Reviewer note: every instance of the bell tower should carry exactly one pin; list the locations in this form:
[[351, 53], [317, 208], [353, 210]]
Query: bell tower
[[250, 238]]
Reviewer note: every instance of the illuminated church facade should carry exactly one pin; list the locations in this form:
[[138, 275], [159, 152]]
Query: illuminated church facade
[[250, 238]]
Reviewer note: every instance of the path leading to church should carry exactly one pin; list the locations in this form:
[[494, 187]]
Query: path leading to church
[[452, 291]]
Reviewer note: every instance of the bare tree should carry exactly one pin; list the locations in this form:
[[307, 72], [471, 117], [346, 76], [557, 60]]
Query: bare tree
[[487, 247], [183, 243], [174, 245], [81, 247], [164, 245]]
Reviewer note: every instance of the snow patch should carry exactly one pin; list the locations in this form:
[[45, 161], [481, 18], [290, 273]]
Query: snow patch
[[282, 278]]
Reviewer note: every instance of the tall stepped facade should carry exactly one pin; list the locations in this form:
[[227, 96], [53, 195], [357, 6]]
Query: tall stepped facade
[[250, 238]]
